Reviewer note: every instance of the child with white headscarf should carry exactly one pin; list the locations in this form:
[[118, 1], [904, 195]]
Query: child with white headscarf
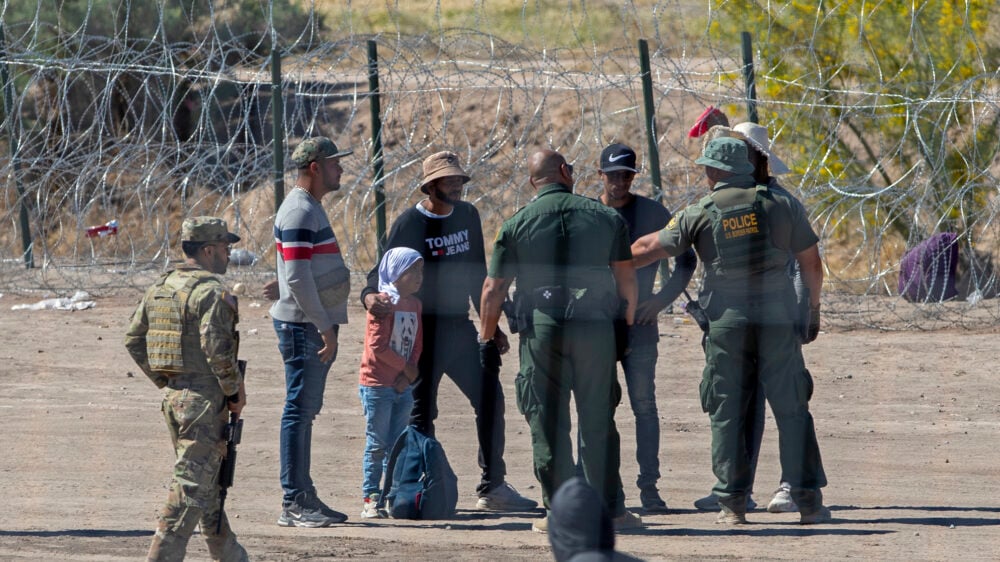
[[388, 366]]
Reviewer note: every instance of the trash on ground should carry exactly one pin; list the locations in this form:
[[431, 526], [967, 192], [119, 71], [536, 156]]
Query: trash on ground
[[78, 301]]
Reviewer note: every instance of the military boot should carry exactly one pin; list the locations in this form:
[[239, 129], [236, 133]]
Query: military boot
[[811, 508], [733, 510], [167, 547], [226, 549]]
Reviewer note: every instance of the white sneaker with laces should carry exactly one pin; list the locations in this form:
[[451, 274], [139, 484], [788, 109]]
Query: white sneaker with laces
[[370, 510], [505, 498], [782, 501]]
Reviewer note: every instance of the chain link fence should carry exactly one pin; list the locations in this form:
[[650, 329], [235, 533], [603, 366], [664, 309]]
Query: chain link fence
[[152, 112]]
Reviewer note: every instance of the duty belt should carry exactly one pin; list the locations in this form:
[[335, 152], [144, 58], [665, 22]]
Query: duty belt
[[181, 382]]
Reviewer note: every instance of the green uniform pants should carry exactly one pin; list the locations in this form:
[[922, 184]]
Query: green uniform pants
[[745, 342], [573, 357], [194, 408]]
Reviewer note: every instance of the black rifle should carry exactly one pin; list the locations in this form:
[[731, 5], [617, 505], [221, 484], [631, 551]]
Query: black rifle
[[227, 471]]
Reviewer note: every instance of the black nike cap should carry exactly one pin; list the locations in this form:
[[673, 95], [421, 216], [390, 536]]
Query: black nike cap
[[618, 157]]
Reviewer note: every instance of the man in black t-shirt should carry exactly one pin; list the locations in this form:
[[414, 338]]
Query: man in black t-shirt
[[643, 215]]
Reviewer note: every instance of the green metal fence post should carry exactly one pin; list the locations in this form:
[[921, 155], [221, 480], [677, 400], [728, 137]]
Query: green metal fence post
[[12, 120], [748, 78], [647, 98], [278, 123], [377, 154]]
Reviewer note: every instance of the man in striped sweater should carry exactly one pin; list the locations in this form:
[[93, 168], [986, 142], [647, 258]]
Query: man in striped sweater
[[313, 284]]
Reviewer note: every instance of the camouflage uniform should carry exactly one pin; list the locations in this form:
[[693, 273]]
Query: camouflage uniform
[[194, 404]]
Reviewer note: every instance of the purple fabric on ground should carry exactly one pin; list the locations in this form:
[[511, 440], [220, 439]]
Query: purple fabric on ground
[[927, 271]]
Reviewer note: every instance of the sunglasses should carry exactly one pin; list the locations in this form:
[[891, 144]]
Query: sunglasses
[[226, 245]]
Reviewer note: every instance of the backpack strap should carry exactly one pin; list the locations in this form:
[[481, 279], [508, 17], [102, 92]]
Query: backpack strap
[[391, 465]]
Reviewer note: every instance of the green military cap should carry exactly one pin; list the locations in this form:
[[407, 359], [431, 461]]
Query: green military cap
[[207, 229], [316, 148], [728, 154]]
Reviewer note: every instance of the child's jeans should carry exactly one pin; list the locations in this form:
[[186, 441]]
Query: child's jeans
[[386, 413]]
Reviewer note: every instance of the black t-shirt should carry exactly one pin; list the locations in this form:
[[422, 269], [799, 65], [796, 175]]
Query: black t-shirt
[[643, 215], [454, 257]]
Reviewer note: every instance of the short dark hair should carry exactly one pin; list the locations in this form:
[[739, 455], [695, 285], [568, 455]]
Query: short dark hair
[[191, 248]]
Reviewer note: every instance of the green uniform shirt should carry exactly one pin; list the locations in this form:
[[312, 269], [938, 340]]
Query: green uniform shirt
[[210, 326], [562, 239], [787, 223]]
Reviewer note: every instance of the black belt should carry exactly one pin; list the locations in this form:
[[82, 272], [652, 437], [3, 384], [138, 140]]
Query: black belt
[[185, 381]]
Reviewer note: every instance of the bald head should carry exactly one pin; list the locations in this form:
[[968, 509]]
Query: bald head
[[548, 166]]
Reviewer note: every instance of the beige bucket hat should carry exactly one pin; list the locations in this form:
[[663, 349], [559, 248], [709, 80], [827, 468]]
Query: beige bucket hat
[[442, 165], [756, 135]]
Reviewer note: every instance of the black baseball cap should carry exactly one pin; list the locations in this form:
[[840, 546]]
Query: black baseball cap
[[618, 157]]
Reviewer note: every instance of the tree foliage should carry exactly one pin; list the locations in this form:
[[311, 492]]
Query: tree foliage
[[887, 101]]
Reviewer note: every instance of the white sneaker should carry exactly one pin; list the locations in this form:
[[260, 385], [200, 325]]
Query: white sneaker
[[782, 501], [541, 525], [505, 498], [370, 509]]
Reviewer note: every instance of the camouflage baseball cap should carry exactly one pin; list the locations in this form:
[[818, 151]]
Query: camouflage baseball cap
[[728, 154], [207, 229], [316, 148]]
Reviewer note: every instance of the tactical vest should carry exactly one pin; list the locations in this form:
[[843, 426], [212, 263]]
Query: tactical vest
[[742, 239], [166, 309]]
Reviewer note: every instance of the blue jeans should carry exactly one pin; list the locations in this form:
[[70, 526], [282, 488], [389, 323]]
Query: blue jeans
[[386, 415], [640, 371], [305, 381]]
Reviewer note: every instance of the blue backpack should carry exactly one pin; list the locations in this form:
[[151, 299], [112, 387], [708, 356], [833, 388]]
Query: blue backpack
[[419, 481]]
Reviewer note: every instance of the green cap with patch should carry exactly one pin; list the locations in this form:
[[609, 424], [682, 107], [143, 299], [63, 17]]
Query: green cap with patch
[[207, 229], [316, 148], [727, 154]]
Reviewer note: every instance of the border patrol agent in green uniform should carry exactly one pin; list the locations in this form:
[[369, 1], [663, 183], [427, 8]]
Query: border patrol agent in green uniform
[[743, 233], [570, 256], [183, 337]]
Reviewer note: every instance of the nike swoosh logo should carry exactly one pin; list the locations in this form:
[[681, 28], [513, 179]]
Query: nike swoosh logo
[[616, 158]]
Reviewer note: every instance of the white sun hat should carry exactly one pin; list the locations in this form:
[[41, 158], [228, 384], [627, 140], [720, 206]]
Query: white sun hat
[[756, 135]]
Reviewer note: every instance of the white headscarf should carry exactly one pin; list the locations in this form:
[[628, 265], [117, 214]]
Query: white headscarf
[[394, 263]]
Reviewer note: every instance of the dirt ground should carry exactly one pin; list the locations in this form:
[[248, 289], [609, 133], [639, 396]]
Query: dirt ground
[[908, 424]]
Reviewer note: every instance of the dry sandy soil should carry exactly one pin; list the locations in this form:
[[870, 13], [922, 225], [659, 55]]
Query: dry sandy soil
[[907, 422]]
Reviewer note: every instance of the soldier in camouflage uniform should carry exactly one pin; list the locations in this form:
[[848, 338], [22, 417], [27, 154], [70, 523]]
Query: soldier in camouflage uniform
[[183, 336]]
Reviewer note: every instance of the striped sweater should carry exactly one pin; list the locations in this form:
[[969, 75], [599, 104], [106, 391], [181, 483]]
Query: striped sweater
[[311, 269]]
